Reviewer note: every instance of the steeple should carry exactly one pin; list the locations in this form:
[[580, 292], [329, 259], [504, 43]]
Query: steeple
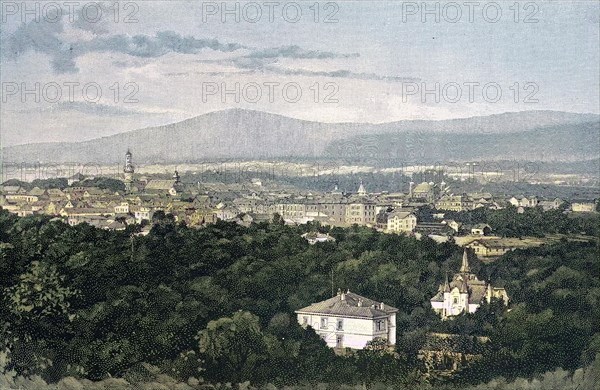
[[361, 189], [128, 163], [128, 171], [464, 268], [446, 284]]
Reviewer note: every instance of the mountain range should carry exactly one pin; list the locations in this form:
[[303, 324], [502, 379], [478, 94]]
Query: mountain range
[[247, 134]]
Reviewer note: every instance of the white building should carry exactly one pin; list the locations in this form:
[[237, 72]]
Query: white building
[[465, 293], [401, 222], [143, 213], [522, 201], [349, 320]]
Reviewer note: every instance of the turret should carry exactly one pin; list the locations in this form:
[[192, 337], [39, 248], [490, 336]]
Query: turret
[[128, 168], [361, 189]]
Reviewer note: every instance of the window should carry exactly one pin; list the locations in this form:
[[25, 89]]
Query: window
[[304, 320], [455, 300], [339, 341], [380, 325], [323, 322], [340, 325]]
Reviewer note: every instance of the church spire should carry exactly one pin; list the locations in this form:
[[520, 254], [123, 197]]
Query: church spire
[[446, 284], [464, 268]]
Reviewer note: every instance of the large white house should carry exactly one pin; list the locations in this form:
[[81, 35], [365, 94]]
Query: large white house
[[349, 320]]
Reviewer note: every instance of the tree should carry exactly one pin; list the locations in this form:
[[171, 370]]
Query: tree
[[41, 313], [40, 293], [234, 346]]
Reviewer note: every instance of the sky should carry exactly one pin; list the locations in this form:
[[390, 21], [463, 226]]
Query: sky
[[81, 71]]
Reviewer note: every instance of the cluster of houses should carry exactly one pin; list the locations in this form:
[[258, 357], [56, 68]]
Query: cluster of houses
[[209, 202]]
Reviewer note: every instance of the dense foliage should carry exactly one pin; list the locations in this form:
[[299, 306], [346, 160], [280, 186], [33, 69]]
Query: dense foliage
[[218, 303], [533, 221]]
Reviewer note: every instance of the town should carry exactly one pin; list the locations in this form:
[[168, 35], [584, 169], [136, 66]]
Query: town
[[135, 198]]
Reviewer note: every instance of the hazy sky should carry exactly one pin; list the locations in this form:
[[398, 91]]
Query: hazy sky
[[157, 62]]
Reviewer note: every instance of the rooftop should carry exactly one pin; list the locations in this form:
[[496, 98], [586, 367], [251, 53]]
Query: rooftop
[[349, 304]]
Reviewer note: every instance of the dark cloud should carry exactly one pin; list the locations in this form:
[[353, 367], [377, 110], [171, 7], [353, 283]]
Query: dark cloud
[[45, 38]]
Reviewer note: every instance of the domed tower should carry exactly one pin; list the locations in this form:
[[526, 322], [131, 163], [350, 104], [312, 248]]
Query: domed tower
[[128, 171]]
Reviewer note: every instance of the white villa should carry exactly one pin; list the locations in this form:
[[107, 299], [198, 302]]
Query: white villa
[[349, 320], [465, 293], [401, 222]]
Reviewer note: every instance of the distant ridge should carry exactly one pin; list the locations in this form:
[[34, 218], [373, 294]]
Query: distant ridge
[[243, 134]]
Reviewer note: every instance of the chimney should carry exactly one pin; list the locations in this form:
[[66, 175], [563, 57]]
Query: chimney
[[382, 306], [360, 302], [339, 292], [342, 297], [410, 189]]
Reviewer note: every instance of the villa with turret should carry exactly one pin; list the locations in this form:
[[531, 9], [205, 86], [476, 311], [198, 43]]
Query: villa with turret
[[464, 293]]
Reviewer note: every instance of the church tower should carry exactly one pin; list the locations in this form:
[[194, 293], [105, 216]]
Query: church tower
[[128, 171]]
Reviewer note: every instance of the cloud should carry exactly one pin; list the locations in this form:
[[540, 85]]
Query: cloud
[[269, 64], [96, 109], [82, 37], [48, 38], [297, 52], [342, 73]]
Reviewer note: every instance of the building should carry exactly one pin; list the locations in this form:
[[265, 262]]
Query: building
[[494, 247], [171, 187], [583, 206], [465, 293], [551, 204], [361, 213], [401, 222], [523, 201], [436, 228], [316, 237], [427, 192], [349, 320], [128, 171], [451, 203], [481, 229]]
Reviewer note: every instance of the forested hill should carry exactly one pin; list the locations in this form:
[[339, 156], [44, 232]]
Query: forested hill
[[217, 304], [243, 134]]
